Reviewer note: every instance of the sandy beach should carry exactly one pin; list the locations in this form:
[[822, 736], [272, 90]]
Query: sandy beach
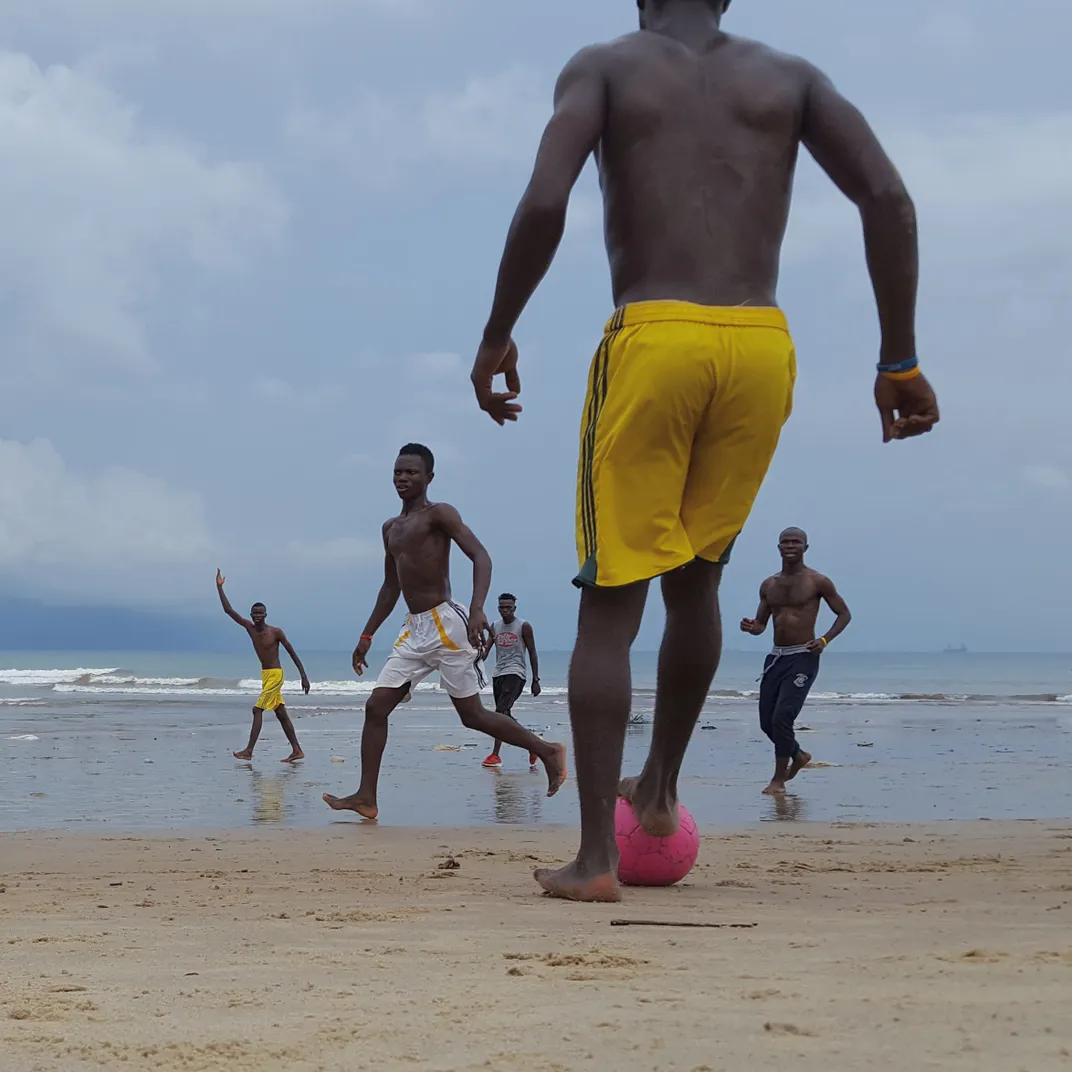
[[913, 947]]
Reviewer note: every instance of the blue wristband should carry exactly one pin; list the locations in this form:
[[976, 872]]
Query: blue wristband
[[907, 365]]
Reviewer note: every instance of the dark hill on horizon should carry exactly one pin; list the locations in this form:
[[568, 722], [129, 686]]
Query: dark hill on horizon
[[28, 625]]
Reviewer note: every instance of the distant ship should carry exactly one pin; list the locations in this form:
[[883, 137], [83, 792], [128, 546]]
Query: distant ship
[[960, 649]]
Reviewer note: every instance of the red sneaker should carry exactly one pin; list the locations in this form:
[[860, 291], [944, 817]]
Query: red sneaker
[[492, 761], [533, 759]]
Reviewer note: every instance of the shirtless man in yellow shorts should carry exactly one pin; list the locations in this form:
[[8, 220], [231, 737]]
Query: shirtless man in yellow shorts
[[696, 135], [266, 640]]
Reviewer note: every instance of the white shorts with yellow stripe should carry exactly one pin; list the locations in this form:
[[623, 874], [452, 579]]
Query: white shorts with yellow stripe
[[437, 639]]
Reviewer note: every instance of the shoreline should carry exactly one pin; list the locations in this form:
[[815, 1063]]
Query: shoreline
[[909, 946]]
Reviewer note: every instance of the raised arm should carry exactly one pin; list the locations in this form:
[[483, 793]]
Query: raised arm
[[834, 601], [758, 625], [226, 603], [846, 148], [571, 136], [386, 601], [529, 638], [451, 523], [297, 662]]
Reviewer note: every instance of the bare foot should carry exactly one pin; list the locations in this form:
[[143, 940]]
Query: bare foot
[[656, 818], [572, 884], [294, 756], [556, 769], [352, 803], [775, 789], [245, 754], [798, 764]]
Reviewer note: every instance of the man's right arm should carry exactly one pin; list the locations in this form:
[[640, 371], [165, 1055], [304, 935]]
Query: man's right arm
[[757, 626], [226, 604], [846, 148], [389, 592], [386, 600]]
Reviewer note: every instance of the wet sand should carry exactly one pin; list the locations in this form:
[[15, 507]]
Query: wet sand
[[911, 947]]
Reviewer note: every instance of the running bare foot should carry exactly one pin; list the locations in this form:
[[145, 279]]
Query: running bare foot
[[555, 765], [775, 789], [294, 756], [799, 763], [656, 818], [352, 803], [244, 754], [571, 883]]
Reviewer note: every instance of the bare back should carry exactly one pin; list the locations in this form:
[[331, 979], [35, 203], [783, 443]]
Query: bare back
[[419, 545], [794, 600], [696, 163]]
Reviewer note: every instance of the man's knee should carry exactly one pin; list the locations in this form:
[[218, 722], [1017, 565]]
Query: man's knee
[[693, 586], [612, 616], [378, 708]]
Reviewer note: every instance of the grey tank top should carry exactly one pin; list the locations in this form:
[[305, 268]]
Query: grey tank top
[[509, 649]]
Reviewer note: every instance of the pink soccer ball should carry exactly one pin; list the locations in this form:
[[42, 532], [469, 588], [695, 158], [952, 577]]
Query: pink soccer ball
[[653, 861]]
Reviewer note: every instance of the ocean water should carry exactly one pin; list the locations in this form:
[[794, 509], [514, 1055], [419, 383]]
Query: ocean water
[[142, 740]]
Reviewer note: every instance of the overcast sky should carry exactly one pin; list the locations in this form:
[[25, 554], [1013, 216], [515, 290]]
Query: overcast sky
[[247, 250]]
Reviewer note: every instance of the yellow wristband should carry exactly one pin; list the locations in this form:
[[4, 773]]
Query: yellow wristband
[[825, 642], [911, 374]]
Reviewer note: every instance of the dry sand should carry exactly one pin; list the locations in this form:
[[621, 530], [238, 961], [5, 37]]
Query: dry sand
[[874, 948]]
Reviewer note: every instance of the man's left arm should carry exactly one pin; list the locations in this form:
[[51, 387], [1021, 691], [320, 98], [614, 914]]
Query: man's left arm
[[297, 662], [572, 135], [451, 522], [838, 605], [529, 638]]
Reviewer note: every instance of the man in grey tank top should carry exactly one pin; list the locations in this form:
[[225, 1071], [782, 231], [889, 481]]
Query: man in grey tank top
[[511, 637]]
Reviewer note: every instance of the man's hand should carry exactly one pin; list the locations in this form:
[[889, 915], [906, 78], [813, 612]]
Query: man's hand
[[816, 646], [908, 408], [750, 625], [305, 685], [490, 361], [359, 662], [536, 690], [220, 579], [478, 627]]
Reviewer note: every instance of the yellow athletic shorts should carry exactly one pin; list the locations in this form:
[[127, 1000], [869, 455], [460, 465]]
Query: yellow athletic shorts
[[271, 690], [683, 413]]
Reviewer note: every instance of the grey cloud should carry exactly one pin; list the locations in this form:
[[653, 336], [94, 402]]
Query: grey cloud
[[417, 127]]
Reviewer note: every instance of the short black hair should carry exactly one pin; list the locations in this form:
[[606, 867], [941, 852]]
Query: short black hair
[[507, 595], [710, 3], [419, 450], [258, 605]]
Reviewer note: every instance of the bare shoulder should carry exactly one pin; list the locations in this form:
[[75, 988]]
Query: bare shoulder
[[772, 57], [591, 62], [443, 512], [792, 72], [820, 580]]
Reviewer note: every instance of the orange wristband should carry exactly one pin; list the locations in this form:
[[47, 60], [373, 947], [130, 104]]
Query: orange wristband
[[911, 374]]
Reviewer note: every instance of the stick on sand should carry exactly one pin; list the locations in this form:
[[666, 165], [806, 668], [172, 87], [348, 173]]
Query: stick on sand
[[672, 923]]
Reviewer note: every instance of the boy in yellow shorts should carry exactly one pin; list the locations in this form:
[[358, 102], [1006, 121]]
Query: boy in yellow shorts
[[696, 135], [266, 640]]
